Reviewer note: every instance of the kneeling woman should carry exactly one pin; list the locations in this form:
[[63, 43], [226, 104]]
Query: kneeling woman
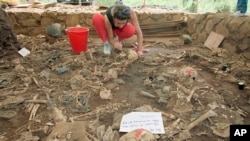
[[119, 22]]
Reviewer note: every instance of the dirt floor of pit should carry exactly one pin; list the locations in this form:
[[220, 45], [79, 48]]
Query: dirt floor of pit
[[77, 90]]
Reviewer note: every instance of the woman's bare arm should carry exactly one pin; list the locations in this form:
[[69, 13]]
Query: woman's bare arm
[[138, 31], [109, 29]]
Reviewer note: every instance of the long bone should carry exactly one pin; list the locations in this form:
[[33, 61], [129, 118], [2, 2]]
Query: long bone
[[185, 134], [203, 117]]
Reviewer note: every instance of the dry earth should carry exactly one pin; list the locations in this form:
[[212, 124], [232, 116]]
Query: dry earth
[[54, 94]]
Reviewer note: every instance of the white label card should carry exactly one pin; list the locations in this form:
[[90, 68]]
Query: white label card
[[151, 121]]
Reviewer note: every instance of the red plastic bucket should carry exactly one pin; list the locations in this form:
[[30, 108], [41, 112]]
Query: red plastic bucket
[[78, 38]]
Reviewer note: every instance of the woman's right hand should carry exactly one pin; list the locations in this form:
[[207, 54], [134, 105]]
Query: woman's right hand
[[118, 46]]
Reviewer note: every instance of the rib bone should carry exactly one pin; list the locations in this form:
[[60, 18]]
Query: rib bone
[[191, 94]]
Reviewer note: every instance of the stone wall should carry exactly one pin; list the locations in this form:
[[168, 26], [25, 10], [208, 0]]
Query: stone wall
[[235, 29], [33, 21]]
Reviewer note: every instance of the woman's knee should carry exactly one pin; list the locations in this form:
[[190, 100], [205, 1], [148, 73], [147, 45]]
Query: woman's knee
[[130, 30]]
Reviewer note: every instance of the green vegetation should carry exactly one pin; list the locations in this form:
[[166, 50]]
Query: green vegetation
[[186, 5]]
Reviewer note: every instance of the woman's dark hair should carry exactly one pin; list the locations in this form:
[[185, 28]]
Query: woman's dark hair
[[122, 12]]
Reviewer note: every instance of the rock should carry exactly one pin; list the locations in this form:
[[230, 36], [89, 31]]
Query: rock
[[57, 115], [111, 74], [147, 82], [11, 101], [100, 131], [165, 89], [106, 94], [7, 114], [117, 120], [120, 81], [111, 85], [186, 38], [132, 55], [62, 70], [19, 69], [69, 131], [145, 108], [55, 30], [246, 55], [111, 135]]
